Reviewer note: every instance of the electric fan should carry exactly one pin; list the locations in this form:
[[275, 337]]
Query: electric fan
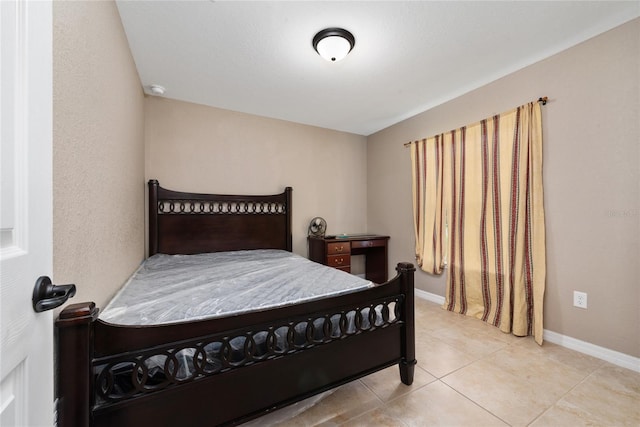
[[317, 227]]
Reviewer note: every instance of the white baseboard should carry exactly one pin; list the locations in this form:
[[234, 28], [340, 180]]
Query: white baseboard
[[429, 296], [611, 356]]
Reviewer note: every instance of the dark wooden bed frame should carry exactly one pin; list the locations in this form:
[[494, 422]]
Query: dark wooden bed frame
[[93, 356]]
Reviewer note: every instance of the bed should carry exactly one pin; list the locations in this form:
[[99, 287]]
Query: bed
[[234, 366]]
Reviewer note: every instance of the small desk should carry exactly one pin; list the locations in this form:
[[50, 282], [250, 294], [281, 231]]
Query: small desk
[[337, 252]]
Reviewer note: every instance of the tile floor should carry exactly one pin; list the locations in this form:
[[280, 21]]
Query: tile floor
[[471, 374]]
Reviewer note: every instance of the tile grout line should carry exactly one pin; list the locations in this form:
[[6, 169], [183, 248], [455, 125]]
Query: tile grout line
[[567, 393], [508, 345], [383, 403], [467, 364], [474, 402]]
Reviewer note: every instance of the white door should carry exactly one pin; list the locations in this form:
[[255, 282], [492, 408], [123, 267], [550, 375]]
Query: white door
[[26, 337]]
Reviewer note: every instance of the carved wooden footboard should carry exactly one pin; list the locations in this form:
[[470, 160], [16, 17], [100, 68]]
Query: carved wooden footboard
[[228, 370]]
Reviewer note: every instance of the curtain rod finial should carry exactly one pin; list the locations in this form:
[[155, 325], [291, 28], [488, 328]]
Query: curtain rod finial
[[543, 99]]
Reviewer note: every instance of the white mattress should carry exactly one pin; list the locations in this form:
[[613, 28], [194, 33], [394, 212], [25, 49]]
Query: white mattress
[[176, 288]]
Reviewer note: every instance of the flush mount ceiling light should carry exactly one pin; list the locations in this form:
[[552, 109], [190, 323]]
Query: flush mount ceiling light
[[333, 44]]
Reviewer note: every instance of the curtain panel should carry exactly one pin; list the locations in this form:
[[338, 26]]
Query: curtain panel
[[478, 208]]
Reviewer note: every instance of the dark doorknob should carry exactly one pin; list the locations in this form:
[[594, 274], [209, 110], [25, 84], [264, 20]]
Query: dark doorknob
[[46, 295]]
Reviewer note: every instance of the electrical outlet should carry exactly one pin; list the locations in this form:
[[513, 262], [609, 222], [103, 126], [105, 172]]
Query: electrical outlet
[[579, 299]]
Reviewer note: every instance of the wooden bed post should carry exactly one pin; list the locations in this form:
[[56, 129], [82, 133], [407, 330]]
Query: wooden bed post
[[153, 216], [74, 347], [408, 362], [288, 191]]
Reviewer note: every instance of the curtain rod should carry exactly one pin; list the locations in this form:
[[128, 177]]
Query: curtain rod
[[542, 99]]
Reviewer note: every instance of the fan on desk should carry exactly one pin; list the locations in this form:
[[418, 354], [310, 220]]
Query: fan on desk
[[317, 227]]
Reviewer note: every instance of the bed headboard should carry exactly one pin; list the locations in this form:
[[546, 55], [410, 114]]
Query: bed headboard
[[189, 223]]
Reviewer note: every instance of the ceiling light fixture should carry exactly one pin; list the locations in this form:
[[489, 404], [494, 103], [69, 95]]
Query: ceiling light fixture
[[333, 44]]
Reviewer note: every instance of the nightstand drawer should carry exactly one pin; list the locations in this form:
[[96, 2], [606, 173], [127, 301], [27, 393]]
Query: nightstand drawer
[[339, 260], [338, 248], [357, 244]]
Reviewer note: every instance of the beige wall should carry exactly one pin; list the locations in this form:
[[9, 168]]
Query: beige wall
[[591, 177], [98, 151], [192, 147]]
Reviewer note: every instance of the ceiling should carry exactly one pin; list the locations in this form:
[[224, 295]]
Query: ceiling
[[257, 58]]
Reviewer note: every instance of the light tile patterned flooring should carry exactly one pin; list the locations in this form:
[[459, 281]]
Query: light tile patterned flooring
[[471, 374]]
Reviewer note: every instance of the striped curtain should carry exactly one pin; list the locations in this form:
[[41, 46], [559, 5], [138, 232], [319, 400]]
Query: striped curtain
[[478, 207]]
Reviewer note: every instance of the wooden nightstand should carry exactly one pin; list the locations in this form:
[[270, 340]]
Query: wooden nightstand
[[337, 252]]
